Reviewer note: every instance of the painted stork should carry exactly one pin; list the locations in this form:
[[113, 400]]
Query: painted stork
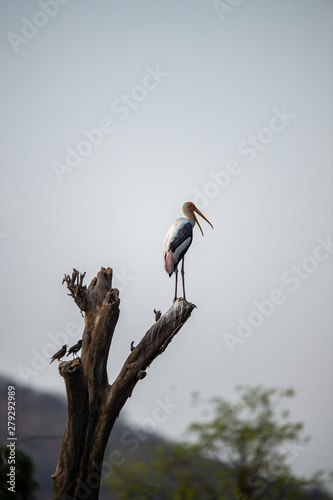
[[178, 241]]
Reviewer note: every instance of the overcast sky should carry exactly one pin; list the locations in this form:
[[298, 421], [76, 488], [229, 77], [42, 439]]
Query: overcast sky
[[116, 113]]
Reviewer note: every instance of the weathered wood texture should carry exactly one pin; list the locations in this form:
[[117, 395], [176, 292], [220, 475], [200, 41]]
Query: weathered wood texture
[[93, 404]]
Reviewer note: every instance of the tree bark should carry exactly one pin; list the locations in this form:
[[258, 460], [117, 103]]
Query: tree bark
[[93, 404]]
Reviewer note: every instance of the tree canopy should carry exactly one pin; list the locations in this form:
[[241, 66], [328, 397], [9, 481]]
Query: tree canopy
[[242, 450]]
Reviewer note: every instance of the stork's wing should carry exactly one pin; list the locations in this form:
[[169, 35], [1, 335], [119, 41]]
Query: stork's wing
[[183, 234], [176, 243]]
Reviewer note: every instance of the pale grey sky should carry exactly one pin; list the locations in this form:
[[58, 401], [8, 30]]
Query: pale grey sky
[[116, 113]]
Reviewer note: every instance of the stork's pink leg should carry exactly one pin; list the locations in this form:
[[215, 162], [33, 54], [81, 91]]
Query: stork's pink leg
[[176, 273], [183, 278]]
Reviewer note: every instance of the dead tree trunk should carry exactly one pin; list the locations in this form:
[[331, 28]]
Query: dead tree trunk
[[93, 404]]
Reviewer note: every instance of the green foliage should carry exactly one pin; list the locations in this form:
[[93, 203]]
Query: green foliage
[[242, 451], [24, 470], [258, 444], [174, 472]]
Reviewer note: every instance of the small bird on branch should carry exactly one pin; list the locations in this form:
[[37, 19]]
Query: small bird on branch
[[60, 354], [75, 348]]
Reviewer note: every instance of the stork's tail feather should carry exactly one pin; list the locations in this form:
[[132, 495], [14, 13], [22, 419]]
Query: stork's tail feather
[[170, 262]]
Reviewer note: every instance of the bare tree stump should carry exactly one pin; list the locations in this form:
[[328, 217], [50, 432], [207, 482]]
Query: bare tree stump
[[93, 404]]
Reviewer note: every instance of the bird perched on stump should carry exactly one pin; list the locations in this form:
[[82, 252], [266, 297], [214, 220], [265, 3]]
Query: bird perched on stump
[[178, 241], [60, 354], [75, 348]]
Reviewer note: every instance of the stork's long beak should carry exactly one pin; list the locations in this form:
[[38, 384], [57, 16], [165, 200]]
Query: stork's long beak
[[201, 215]]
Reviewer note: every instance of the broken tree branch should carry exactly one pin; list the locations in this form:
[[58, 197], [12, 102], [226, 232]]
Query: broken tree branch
[[76, 288]]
